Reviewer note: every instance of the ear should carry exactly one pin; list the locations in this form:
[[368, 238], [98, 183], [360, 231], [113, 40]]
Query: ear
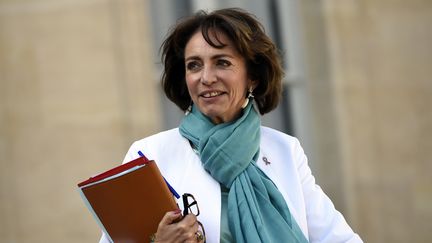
[[253, 84]]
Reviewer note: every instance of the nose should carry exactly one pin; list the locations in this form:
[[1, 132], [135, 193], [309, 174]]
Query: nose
[[208, 75]]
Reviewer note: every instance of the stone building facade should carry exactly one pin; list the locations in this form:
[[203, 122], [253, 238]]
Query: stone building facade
[[78, 85]]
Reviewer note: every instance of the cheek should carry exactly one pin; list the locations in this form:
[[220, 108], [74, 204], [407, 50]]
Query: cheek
[[191, 85], [241, 89]]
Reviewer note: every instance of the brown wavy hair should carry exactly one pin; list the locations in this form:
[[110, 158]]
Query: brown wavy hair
[[248, 36]]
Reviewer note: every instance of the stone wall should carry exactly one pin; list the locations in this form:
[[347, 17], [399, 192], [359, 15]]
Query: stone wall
[[76, 89], [379, 57]]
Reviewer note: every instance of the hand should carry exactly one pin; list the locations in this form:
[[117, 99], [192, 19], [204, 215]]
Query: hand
[[170, 229]]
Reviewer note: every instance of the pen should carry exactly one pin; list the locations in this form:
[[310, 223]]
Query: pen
[[169, 186], [142, 155], [172, 189]]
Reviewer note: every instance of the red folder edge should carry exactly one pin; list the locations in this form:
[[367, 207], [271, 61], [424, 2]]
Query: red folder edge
[[114, 171]]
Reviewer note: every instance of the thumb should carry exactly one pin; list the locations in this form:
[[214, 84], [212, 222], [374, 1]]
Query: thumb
[[170, 217]]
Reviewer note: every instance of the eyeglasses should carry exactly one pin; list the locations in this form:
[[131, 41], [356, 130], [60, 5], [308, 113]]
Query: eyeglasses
[[190, 205]]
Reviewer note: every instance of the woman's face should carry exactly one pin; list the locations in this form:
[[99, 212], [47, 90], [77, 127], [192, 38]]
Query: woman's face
[[217, 79]]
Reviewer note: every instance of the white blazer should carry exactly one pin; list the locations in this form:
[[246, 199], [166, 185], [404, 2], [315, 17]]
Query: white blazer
[[281, 158]]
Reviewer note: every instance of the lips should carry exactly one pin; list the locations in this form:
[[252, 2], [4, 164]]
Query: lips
[[210, 94]]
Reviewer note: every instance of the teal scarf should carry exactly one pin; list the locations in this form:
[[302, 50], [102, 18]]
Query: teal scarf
[[257, 211]]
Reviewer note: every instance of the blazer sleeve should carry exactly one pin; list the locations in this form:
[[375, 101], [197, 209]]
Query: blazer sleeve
[[325, 223]]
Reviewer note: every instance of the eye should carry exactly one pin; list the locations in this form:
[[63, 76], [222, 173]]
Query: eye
[[193, 66], [223, 63]]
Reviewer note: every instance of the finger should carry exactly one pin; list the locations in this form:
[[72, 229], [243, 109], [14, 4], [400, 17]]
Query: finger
[[170, 217], [189, 220], [187, 228], [189, 237], [200, 237]]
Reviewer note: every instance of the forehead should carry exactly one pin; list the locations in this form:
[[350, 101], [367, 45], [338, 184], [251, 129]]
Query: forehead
[[197, 44]]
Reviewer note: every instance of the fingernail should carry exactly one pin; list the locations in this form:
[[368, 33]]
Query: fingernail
[[177, 211]]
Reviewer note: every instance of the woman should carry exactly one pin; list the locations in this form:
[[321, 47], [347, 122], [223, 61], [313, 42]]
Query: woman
[[252, 183]]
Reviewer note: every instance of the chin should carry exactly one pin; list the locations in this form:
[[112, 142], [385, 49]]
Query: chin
[[214, 116], [211, 115]]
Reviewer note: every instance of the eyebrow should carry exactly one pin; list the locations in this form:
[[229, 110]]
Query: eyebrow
[[196, 57]]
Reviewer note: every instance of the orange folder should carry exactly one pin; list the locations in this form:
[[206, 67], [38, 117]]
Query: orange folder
[[128, 201]]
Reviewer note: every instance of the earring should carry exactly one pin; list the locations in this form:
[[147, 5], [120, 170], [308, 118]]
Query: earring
[[250, 93], [188, 110], [250, 96]]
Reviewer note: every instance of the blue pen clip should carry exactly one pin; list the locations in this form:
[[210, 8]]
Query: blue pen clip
[[169, 186], [141, 154]]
